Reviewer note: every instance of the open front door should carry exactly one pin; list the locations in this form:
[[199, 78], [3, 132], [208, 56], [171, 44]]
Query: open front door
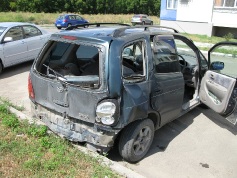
[[218, 86]]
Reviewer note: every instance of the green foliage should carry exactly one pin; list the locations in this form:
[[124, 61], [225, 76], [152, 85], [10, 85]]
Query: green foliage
[[35, 153], [229, 36], [151, 7], [11, 121]]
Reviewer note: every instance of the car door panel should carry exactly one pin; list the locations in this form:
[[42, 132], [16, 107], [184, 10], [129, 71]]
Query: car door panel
[[15, 51], [216, 90], [34, 40], [167, 91], [219, 89]]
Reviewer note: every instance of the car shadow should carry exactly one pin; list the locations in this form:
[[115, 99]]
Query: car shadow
[[163, 136], [220, 121], [16, 69]]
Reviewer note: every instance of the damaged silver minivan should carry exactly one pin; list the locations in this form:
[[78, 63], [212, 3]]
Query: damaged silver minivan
[[119, 83]]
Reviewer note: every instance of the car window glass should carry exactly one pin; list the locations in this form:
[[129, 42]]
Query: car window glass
[[203, 61], [58, 50], [71, 17], [228, 55], [61, 17], [86, 52], [31, 31], [186, 54], [164, 55], [78, 17], [15, 32], [72, 60], [2, 29], [133, 59]]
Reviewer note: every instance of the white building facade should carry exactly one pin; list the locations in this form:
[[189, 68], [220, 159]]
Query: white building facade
[[206, 17]]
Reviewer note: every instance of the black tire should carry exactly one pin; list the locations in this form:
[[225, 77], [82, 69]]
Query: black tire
[[136, 140], [133, 24], [59, 28], [69, 25], [143, 23], [1, 67]]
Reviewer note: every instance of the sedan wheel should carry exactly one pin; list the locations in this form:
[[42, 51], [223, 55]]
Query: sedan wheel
[[136, 140], [1, 67]]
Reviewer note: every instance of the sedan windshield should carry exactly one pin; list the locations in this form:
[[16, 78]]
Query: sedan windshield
[[2, 29]]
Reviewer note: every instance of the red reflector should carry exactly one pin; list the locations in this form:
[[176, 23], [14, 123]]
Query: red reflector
[[30, 89], [69, 37]]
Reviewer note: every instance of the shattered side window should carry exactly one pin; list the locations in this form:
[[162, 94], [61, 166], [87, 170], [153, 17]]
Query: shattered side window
[[74, 63], [133, 61]]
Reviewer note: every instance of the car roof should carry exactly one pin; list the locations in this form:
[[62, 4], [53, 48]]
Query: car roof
[[12, 24], [107, 33], [140, 14]]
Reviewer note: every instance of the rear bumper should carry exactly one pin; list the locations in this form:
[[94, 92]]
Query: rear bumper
[[74, 129]]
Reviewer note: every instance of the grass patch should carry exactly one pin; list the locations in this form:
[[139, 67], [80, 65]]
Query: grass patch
[[8, 103], [29, 151], [206, 39], [49, 18]]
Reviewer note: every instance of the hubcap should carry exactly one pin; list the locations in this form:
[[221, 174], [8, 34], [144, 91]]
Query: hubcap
[[142, 141]]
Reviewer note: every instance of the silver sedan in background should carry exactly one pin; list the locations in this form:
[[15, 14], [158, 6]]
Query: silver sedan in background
[[20, 42], [141, 19]]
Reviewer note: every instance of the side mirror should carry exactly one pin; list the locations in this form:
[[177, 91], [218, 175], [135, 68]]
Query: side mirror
[[217, 65], [7, 39]]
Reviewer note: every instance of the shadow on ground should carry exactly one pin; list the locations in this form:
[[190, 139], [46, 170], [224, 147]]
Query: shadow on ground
[[15, 70], [164, 136]]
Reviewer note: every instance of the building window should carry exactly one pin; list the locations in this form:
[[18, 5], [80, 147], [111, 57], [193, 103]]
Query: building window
[[226, 3], [172, 4]]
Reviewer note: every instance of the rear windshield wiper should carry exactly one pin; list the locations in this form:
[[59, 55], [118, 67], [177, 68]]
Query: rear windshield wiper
[[55, 74], [134, 76]]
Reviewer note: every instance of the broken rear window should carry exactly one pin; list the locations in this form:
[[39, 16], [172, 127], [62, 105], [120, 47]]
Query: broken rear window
[[76, 64]]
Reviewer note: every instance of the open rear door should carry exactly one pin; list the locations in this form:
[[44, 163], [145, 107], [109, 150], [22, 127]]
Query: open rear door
[[218, 86]]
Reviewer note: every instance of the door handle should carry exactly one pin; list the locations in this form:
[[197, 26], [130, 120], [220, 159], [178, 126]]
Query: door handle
[[158, 91], [212, 77]]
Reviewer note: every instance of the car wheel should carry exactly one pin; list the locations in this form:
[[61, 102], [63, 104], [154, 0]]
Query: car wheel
[[69, 25], [133, 24], [136, 140], [151, 23], [143, 23], [59, 28], [1, 67]]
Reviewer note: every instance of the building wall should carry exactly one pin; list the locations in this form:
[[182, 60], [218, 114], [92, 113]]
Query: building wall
[[225, 17], [195, 10], [189, 27], [166, 14], [200, 17]]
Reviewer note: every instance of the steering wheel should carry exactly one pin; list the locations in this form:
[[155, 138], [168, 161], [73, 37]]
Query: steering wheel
[[182, 62]]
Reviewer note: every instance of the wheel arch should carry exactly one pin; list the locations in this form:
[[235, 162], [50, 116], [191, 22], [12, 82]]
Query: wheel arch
[[155, 117], [1, 65]]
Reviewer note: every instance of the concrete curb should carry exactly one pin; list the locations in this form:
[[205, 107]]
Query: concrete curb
[[121, 170]]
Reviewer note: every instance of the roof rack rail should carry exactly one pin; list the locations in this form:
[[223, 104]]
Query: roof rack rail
[[119, 31], [85, 25]]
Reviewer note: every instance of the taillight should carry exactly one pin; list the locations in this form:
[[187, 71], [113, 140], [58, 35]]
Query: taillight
[[65, 20], [30, 89]]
